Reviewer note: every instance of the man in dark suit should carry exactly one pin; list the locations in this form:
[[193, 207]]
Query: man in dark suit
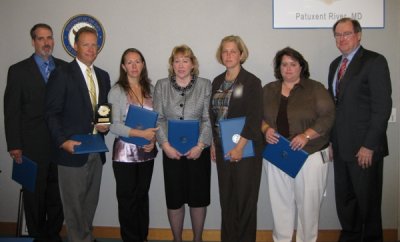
[[27, 133], [359, 81], [71, 96]]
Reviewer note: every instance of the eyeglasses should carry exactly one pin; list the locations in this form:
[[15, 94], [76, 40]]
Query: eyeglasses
[[345, 35]]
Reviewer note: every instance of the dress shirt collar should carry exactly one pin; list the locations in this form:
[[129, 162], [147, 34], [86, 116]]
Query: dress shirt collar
[[40, 63], [84, 66], [351, 55]]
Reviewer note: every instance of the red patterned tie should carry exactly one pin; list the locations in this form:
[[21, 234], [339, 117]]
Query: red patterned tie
[[340, 74]]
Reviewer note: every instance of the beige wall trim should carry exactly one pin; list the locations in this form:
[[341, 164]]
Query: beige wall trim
[[208, 235]]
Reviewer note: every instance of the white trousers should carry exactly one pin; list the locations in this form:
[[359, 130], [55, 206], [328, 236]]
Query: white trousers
[[304, 193]]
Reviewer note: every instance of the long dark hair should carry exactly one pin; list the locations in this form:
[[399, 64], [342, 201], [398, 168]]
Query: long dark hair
[[305, 72], [144, 80]]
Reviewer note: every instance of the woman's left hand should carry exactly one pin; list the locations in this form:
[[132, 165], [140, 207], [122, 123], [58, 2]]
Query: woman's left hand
[[212, 153], [235, 154], [194, 153], [298, 142], [149, 147]]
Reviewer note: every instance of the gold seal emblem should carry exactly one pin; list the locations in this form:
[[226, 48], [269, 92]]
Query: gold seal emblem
[[72, 26], [103, 110]]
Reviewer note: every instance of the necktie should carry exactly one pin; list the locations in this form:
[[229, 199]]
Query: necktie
[[92, 88], [46, 70], [340, 74]]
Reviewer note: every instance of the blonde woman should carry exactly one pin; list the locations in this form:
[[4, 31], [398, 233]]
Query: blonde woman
[[185, 96]]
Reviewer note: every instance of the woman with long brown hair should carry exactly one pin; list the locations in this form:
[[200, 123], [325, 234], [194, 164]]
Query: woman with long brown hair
[[132, 164]]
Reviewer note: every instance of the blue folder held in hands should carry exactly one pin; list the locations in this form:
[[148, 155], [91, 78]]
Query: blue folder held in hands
[[230, 130], [183, 134], [139, 118], [25, 173], [90, 143], [282, 156]]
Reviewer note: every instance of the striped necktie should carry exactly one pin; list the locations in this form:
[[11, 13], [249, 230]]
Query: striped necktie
[[46, 65], [92, 88], [340, 74]]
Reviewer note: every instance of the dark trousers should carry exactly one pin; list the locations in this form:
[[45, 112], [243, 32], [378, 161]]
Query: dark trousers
[[43, 208], [239, 185], [133, 184], [358, 195]]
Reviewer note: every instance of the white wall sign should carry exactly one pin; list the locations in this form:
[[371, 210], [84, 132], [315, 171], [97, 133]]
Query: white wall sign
[[324, 13]]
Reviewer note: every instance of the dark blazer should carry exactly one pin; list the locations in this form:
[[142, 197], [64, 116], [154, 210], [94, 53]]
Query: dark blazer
[[69, 110], [24, 122], [363, 106], [248, 105]]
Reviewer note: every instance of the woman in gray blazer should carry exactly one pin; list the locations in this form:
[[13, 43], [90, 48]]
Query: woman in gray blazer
[[185, 96]]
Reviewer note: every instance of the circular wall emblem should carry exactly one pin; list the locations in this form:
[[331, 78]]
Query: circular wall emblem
[[74, 24]]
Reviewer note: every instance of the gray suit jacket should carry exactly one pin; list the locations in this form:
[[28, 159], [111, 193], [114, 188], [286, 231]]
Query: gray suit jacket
[[192, 105]]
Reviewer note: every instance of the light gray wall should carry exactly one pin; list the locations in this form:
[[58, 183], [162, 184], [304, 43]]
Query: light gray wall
[[155, 27]]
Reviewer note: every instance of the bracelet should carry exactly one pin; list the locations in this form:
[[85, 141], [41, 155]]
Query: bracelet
[[200, 147], [264, 127], [307, 136]]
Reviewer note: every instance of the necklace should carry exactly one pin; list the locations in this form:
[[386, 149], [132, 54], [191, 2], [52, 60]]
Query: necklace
[[182, 89], [287, 86], [287, 89], [134, 94], [231, 74], [226, 86]]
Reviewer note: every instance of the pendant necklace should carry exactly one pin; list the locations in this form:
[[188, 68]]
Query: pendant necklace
[[140, 102]]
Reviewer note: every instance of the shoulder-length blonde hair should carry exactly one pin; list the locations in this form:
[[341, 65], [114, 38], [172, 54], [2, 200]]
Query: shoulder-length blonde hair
[[186, 52], [239, 43]]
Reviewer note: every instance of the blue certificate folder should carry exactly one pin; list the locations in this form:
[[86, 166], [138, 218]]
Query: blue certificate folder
[[183, 134], [230, 130], [25, 173], [282, 156], [139, 118], [90, 143]]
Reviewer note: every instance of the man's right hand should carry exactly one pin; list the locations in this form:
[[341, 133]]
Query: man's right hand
[[69, 145]]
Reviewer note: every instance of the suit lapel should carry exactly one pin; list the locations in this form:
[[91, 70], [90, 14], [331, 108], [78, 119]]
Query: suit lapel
[[100, 83], [240, 83], [351, 70], [332, 72], [34, 70]]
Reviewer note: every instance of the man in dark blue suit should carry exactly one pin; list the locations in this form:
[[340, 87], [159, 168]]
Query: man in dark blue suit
[[28, 135], [359, 81], [71, 95]]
